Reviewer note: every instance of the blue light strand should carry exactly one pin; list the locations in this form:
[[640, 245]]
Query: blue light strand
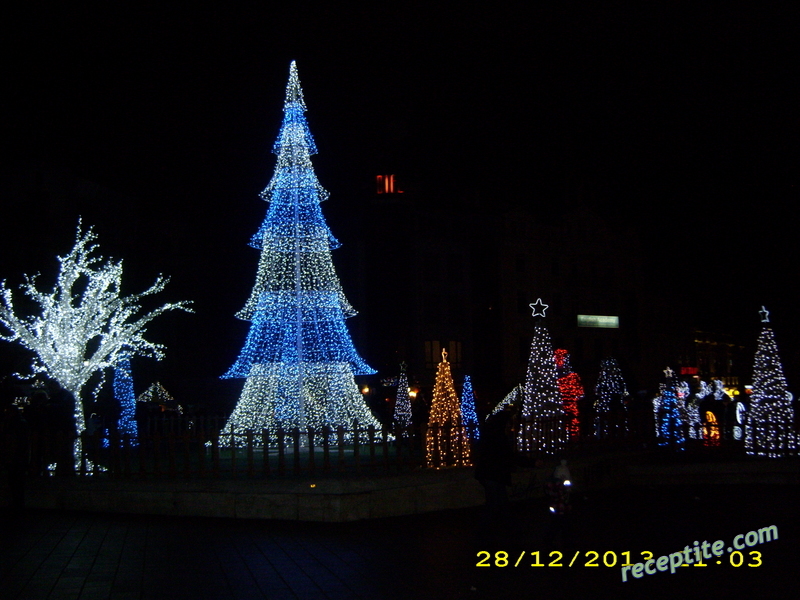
[[123, 394], [469, 415]]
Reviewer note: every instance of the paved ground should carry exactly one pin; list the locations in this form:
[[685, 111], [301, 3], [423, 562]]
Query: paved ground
[[49, 555]]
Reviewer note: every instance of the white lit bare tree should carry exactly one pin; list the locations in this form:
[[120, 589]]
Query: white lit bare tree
[[83, 325]]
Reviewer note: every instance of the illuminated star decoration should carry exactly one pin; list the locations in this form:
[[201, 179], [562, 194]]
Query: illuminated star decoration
[[764, 314], [668, 372], [537, 306]]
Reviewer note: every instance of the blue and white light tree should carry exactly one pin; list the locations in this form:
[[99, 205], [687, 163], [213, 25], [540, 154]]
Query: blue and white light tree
[[298, 360], [668, 407], [770, 423], [543, 429], [469, 416]]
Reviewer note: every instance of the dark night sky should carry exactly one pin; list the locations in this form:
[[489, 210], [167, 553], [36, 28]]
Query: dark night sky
[[676, 121]]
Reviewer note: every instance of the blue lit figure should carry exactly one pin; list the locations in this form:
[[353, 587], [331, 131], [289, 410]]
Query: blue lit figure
[[123, 393], [469, 417], [669, 423], [402, 405], [298, 359]]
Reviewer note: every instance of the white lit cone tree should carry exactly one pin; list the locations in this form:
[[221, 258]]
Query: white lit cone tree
[[298, 360], [402, 406], [542, 429], [769, 430], [83, 325]]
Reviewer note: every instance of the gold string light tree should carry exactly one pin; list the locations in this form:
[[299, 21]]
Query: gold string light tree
[[446, 441]]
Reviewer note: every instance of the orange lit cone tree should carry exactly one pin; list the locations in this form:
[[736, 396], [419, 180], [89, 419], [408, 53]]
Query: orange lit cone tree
[[446, 441]]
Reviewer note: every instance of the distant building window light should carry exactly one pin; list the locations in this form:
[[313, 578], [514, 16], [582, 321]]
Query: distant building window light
[[386, 184], [601, 321]]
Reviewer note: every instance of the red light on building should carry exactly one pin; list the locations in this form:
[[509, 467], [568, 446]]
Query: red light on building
[[689, 370], [385, 184]]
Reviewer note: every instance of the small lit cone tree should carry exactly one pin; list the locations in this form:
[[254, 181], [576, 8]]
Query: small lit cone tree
[[157, 394], [469, 416], [610, 393], [769, 429], [83, 325], [402, 405], [298, 360], [571, 388], [542, 429], [668, 409], [446, 441], [123, 394]]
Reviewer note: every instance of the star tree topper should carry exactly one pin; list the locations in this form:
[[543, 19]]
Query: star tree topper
[[539, 306], [764, 314]]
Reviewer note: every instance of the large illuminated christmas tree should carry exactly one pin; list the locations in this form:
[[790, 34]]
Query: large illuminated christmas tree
[[543, 416], [446, 440], [298, 360], [769, 430]]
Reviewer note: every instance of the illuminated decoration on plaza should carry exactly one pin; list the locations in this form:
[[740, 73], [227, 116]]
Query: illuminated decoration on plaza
[[402, 405], [769, 430], [741, 417], [693, 418], [157, 394], [571, 388], [711, 430], [298, 360], [123, 394], [513, 398], [83, 324], [611, 393], [542, 427], [719, 392], [446, 441], [469, 415], [668, 407], [689, 410]]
